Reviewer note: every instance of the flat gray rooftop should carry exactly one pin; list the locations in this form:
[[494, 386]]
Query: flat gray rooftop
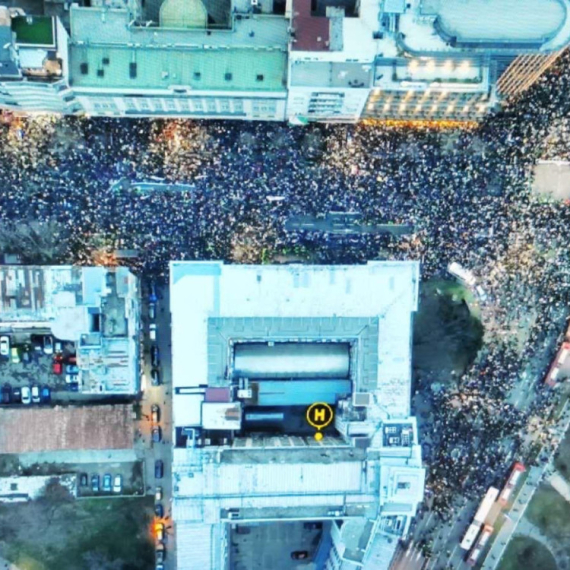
[[498, 19]]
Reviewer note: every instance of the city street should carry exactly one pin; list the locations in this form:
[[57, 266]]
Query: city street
[[161, 396]]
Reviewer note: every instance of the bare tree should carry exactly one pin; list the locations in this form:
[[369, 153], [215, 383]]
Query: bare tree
[[37, 242], [53, 497]]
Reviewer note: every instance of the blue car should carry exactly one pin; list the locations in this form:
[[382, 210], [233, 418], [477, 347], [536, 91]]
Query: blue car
[[45, 395]]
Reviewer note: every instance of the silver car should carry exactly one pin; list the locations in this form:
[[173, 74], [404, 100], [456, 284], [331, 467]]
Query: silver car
[[26, 395]]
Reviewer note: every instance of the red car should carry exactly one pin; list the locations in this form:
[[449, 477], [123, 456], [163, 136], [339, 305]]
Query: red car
[[57, 366]]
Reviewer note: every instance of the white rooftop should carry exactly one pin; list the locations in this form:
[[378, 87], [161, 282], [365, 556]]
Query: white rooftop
[[387, 290]]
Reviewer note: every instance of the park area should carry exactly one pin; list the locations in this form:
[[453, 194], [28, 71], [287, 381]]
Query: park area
[[447, 330], [524, 552], [56, 532]]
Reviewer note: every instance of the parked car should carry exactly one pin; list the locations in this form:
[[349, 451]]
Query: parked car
[[118, 484], [160, 555], [57, 366], [158, 494], [73, 387], [15, 355], [83, 480], [58, 346], [5, 347], [155, 377], [26, 395], [45, 395], [299, 555], [152, 311], [71, 369], [17, 396], [152, 297], [159, 566], [158, 510], [152, 331], [107, 479], [27, 354], [154, 356], [159, 529], [156, 435], [37, 342], [35, 394], [155, 413], [6, 394], [95, 483], [48, 344], [158, 469]]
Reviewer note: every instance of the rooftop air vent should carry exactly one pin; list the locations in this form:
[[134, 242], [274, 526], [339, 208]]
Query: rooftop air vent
[[361, 399]]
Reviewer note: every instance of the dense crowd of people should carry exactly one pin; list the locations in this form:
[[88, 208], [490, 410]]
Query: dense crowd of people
[[71, 184]]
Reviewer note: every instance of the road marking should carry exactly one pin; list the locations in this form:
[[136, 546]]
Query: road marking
[[418, 556]]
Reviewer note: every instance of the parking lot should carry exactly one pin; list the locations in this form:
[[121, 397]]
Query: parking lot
[[273, 545], [38, 360]]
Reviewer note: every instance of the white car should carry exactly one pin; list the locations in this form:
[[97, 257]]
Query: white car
[[35, 394], [26, 395], [117, 484], [158, 494], [5, 346], [152, 331]]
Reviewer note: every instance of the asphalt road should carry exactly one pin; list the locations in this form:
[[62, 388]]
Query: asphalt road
[[160, 395]]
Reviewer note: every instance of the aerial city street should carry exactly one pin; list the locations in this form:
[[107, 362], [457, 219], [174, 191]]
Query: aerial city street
[[162, 279]]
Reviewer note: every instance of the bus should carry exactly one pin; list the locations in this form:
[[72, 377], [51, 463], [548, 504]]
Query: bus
[[480, 545], [557, 364], [486, 504], [517, 470], [479, 518], [470, 535], [462, 274]]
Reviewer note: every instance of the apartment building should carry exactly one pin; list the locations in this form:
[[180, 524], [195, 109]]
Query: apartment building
[[294, 60]]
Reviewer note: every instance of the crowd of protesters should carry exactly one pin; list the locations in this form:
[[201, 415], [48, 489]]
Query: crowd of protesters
[[466, 192]]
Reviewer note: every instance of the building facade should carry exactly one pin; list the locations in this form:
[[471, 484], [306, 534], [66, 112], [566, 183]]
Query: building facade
[[256, 347], [294, 60]]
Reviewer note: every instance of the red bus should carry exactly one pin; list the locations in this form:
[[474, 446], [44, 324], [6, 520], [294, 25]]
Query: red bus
[[516, 472], [557, 363]]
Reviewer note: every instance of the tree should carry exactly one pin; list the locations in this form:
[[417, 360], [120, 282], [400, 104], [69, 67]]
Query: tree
[[35, 241], [96, 560], [53, 497]]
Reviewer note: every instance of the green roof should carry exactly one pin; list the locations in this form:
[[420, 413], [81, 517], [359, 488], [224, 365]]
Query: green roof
[[162, 68], [33, 30]]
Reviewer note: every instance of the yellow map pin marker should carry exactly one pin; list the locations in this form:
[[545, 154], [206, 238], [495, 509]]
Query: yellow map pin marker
[[319, 415]]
